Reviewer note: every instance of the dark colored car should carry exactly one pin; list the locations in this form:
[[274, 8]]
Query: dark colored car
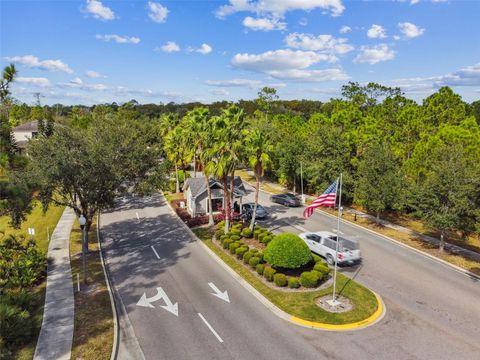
[[287, 199], [248, 210]]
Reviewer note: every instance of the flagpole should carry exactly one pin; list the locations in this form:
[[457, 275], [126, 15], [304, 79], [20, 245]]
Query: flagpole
[[334, 301]]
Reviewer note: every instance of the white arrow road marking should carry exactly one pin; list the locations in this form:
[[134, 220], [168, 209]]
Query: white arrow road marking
[[169, 306], [218, 293], [138, 217], [155, 251], [211, 328]]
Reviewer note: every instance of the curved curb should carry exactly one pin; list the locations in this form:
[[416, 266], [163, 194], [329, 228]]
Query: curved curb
[[371, 320]]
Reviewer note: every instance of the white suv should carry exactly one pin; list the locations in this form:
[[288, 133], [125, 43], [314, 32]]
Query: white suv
[[324, 243]]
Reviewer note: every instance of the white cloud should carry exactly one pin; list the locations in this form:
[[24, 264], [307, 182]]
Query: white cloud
[[396, 37], [119, 39], [374, 54], [35, 81], [220, 92], [302, 75], [413, 2], [264, 24], [76, 81], [278, 8], [157, 12], [169, 47], [410, 30], [34, 62], [325, 43], [234, 83], [203, 49], [93, 74], [376, 32], [345, 29], [99, 11]]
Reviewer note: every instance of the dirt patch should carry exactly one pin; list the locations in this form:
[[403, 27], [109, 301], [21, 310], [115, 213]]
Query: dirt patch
[[344, 306]]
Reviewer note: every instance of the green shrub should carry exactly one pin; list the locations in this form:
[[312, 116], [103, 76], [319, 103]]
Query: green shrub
[[254, 261], [247, 233], [280, 279], [240, 252], [247, 256], [269, 272], [316, 258], [260, 268], [219, 234], [15, 324], [309, 279], [255, 234], [322, 268], [227, 243], [259, 254], [261, 236], [235, 237], [221, 225], [254, 250], [293, 283], [266, 239], [223, 237], [236, 232], [287, 251], [233, 247]]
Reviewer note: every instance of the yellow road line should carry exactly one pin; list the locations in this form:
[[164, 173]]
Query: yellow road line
[[342, 327]]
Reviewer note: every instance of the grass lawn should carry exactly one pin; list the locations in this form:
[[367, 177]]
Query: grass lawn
[[264, 185], [93, 332], [301, 304], [40, 222]]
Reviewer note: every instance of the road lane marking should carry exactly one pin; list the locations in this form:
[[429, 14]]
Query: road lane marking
[[169, 306], [211, 328], [218, 293], [155, 251], [138, 217]]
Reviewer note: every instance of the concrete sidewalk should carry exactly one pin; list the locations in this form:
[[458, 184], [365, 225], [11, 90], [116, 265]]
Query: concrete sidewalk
[[55, 340]]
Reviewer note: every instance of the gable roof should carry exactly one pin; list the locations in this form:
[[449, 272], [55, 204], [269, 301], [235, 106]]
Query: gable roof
[[198, 185], [28, 126]]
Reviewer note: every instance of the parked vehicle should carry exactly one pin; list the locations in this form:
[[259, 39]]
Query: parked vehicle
[[324, 243], [248, 210], [287, 199]]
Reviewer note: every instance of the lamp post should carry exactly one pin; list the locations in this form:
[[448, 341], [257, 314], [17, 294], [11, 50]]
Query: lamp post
[[83, 221]]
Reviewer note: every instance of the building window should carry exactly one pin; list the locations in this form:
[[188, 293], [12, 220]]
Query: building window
[[217, 204]]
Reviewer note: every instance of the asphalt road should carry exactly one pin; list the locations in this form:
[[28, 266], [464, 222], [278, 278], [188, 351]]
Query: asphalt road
[[433, 312]]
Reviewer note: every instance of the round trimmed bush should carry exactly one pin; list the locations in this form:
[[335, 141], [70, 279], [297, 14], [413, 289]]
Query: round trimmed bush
[[226, 243], [267, 239], [260, 256], [255, 234], [247, 233], [247, 256], [254, 261], [293, 283], [254, 250], [218, 234], [233, 247], [261, 236], [280, 279], [288, 251], [309, 279], [269, 272], [235, 237], [260, 268], [322, 268], [316, 258], [240, 252], [236, 232]]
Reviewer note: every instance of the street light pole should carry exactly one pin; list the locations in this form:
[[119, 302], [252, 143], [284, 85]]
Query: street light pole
[[83, 221], [301, 182]]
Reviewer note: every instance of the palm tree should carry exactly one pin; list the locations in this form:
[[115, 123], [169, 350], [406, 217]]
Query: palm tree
[[176, 148], [8, 76], [258, 149]]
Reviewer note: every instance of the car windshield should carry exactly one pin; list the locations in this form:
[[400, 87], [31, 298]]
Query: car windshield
[[290, 196], [345, 244]]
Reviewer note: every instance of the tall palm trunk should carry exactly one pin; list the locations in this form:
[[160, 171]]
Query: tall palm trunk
[[210, 210], [257, 191], [177, 186], [226, 200], [195, 165], [232, 187], [442, 240]]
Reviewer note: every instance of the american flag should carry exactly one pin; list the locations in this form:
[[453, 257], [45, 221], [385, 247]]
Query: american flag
[[328, 198]]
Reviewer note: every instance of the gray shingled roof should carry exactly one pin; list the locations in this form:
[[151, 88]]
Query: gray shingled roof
[[197, 185], [28, 126]]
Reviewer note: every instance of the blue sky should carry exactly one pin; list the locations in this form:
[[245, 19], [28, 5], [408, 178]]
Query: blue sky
[[95, 51]]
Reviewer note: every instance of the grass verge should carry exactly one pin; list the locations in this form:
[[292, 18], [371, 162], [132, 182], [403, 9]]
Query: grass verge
[[302, 304], [40, 221], [93, 331]]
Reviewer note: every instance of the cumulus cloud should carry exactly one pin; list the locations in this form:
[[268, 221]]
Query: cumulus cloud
[[325, 43], [345, 29], [118, 39], [35, 81], [220, 92], [410, 30], [34, 62], [374, 54], [93, 74], [157, 12], [76, 81], [277, 8], [263, 24], [305, 75], [234, 83], [376, 32], [169, 47], [98, 10], [203, 49]]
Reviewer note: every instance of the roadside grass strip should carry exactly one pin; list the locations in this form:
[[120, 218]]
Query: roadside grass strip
[[40, 221], [301, 304], [94, 327]]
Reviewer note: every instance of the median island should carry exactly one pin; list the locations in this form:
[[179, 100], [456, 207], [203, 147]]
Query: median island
[[284, 271]]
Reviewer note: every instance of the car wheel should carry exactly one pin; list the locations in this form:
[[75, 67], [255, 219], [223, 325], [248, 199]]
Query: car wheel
[[330, 260]]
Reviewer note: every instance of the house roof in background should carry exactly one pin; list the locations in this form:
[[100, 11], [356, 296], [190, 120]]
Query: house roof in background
[[28, 126], [198, 185]]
